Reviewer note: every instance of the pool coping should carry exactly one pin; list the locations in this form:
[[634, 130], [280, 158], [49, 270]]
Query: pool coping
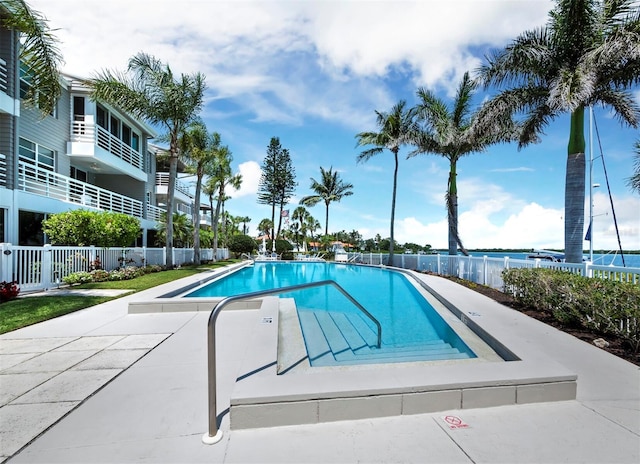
[[262, 398]]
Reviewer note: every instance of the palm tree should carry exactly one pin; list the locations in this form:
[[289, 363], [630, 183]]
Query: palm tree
[[199, 150], [397, 128], [453, 133], [220, 176], [149, 91], [182, 229], [634, 181], [331, 188], [588, 53], [244, 220], [301, 214], [39, 54]]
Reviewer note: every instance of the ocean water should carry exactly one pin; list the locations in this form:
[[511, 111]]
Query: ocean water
[[610, 259]]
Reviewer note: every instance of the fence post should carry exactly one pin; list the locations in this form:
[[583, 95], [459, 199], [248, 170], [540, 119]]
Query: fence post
[[485, 269], [6, 263], [439, 273], [46, 270]]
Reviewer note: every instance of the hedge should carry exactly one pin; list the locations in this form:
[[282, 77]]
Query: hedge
[[604, 306]]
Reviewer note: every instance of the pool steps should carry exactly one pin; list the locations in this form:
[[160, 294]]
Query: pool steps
[[336, 338]]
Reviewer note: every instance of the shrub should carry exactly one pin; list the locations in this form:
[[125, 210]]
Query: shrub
[[99, 275], [83, 228], [605, 306], [241, 244], [8, 291], [78, 278]]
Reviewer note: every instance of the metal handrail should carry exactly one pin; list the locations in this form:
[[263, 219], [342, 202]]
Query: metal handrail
[[214, 435]]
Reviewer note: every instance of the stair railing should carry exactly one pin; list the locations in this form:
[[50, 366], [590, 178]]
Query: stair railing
[[214, 435]]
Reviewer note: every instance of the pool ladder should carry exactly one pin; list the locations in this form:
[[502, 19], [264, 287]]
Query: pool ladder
[[214, 435]]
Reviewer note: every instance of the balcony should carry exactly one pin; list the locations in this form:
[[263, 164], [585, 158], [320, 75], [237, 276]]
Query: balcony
[[7, 104], [43, 182], [182, 192], [96, 149]]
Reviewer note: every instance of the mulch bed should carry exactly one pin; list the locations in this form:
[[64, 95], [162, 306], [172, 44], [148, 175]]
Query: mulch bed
[[616, 346]]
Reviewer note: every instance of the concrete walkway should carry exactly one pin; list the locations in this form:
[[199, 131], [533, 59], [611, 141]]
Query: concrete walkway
[[102, 385]]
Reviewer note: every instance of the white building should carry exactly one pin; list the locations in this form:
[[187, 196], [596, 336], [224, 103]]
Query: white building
[[85, 154]]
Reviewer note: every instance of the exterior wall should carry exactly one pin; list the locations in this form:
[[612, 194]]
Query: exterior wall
[[123, 185], [49, 131]]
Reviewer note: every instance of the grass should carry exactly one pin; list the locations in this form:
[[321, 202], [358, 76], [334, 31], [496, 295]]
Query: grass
[[25, 311]]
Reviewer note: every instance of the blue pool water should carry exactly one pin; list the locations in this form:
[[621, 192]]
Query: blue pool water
[[335, 331]]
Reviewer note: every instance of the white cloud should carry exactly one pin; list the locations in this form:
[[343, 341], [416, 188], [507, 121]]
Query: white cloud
[[284, 61], [251, 173]]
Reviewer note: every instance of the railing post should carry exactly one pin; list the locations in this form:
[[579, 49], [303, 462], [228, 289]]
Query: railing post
[[46, 268], [6, 263], [485, 269]]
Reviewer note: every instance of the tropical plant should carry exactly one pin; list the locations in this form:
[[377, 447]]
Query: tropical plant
[[277, 181], [40, 56], [199, 150], [299, 217], [150, 91], [81, 227], [634, 181], [182, 230], [588, 53], [330, 188], [220, 177], [396, 128], [453, 133], [245, 220], [265, 226]]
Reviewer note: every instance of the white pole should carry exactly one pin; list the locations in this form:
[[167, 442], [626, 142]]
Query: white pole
[[590, 184]]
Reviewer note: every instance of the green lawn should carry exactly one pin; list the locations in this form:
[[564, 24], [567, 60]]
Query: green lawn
[[24, 311]]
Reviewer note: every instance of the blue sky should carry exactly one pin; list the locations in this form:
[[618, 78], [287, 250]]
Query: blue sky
[[313, 73]]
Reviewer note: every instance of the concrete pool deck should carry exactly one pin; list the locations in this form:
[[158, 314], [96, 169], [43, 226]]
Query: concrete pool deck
[[103, 385]]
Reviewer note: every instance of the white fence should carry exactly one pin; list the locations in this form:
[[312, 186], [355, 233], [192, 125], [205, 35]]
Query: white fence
[[40, 268], [488, 271]]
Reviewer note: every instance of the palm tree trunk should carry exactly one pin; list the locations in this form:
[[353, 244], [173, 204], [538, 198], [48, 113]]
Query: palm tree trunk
[[393, 206], [173, 173], [452, 209], [214, 228], [326, 219], [575, 190], [196, 222]]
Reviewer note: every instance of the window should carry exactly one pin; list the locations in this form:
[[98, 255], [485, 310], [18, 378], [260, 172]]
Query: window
[[27, 150], [101, 117], [135, 142], [78, 174], [115, 127], [36, 154], [126, 134], [25, 81], [30, 228], [26, 78]]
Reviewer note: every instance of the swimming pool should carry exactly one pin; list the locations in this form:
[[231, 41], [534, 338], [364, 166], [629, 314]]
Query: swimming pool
[[335, 332]]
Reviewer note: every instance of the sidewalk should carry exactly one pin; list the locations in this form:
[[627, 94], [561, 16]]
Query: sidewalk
[[106, 386]]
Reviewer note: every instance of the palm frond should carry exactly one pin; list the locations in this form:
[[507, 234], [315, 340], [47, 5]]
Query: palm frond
[[39, 53]]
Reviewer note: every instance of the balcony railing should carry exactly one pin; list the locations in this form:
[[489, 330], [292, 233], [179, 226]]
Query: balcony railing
[[50, 184], [3, 170], [162, 179], [88, 132], [3, 75]]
